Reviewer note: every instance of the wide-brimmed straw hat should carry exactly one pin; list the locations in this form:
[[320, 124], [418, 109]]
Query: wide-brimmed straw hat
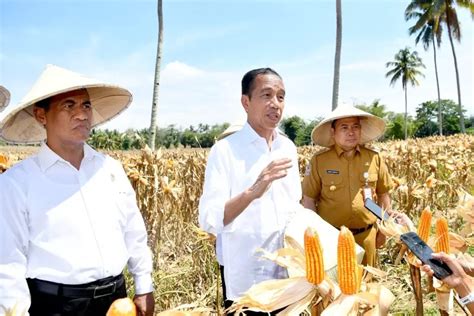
[[108, 100], [4, 98], [372, 127]]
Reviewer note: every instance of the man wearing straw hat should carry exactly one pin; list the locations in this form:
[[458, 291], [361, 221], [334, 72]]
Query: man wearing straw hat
[[251, 186], [69, 220], [340, 178]]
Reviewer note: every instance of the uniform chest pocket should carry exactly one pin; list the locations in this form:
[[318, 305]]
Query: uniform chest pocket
[[332, 185]]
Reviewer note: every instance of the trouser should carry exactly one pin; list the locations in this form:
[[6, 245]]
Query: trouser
[[228, 303], [366, 240], [91, 299]]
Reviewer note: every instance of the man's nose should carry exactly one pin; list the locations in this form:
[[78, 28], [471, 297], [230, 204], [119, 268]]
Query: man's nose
[[275, 103], [81, 113]]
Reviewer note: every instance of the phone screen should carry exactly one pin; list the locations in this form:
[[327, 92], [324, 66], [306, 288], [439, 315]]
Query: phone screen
[[423, 252], [375, 209]]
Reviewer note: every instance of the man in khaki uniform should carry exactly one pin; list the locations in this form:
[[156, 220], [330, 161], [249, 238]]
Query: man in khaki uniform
[[335, 179]]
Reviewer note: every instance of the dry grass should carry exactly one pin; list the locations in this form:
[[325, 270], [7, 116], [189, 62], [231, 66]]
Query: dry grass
[[428, 172]]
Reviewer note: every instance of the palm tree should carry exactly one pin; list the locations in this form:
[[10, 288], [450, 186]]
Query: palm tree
[[405, 66], [337, 58], [429, 30], [156, 86], [447, 11]]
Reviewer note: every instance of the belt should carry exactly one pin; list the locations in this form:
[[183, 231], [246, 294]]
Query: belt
[[356, 231], [107, 287]]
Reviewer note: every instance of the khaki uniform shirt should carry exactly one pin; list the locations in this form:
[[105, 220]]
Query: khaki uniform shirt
[[336, 184]]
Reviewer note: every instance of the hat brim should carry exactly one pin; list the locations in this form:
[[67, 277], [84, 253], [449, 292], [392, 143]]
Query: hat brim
[[4, 98], [21, 127], [372, 127]]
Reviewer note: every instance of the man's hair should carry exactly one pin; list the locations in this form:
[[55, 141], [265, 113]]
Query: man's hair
[[44, 104], [249, 79]]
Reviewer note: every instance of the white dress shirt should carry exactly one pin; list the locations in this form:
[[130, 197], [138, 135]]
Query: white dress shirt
[[233, 165], [69, 226]]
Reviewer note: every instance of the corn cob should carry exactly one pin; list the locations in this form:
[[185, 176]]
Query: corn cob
[[424, 224], [442, 235], [347, 268], [314, 257]]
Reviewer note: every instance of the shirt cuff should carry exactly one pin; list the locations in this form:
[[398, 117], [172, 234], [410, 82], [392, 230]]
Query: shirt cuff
[[143, 284]]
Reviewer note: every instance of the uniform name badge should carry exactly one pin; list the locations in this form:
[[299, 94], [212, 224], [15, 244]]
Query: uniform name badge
[[367, 191]]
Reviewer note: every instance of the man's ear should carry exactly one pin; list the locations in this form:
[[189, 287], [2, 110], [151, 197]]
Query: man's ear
[[332, 131], [245, 102], [40, 115]]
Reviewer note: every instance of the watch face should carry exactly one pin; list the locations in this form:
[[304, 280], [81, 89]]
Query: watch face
[[467, 299]]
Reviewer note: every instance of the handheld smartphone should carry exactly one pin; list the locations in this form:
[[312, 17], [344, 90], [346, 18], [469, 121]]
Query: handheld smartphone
[[423, 252], [375, 209]]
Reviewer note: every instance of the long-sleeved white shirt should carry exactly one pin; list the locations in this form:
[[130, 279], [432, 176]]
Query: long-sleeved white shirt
[[233, 166], [69, 226]]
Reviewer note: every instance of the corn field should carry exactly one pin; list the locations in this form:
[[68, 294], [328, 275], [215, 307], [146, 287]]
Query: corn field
[[427, 172]]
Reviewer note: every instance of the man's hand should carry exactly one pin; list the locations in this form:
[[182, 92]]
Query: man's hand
[[145, 304], [401, 218], [277, 169]]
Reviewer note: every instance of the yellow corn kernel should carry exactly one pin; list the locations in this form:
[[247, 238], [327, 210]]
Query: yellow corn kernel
[[442, 235], [348, 275], [424, 224], [314, 257]]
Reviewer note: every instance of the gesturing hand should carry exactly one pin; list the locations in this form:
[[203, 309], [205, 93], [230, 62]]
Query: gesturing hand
[[277, 169]]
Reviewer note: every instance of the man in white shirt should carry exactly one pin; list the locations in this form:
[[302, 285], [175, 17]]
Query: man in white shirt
[[69, 222], [251, 187]]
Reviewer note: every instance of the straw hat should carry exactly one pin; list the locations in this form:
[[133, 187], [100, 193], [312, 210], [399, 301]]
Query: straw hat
[[372, 126], [20, 126], [4, 98]]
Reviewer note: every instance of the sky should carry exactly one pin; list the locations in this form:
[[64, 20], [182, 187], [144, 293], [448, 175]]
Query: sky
[[210, 44]]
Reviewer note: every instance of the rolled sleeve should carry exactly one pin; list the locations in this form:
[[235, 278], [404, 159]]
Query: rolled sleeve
[[384, 183], [13, 246], [311, 181], [216, 193]]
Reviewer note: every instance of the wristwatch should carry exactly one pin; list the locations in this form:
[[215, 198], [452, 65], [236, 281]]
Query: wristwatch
[[467, 299]]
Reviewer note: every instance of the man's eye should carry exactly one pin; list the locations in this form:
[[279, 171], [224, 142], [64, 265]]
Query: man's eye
[[87, 106]]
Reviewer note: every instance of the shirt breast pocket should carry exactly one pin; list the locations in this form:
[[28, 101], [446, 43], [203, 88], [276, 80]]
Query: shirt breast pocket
[[332, 186]]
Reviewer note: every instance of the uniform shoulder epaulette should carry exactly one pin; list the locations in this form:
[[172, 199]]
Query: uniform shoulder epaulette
[[320, 150], [372, 147]]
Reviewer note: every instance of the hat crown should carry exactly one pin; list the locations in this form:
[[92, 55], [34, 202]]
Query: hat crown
[[4, 98], [56, 79], [372, 126], [108, 100]]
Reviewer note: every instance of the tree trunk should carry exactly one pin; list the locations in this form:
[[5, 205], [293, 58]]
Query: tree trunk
[[440, 111], [337, 58], [461, 116], [156, 86], [406, 113]]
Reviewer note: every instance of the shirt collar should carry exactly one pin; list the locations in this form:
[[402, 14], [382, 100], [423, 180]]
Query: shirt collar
[[47, 157], [340, 151], [250, 135]]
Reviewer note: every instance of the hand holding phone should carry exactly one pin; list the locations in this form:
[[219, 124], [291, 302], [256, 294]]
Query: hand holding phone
[[375, 209], [423, 252]]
